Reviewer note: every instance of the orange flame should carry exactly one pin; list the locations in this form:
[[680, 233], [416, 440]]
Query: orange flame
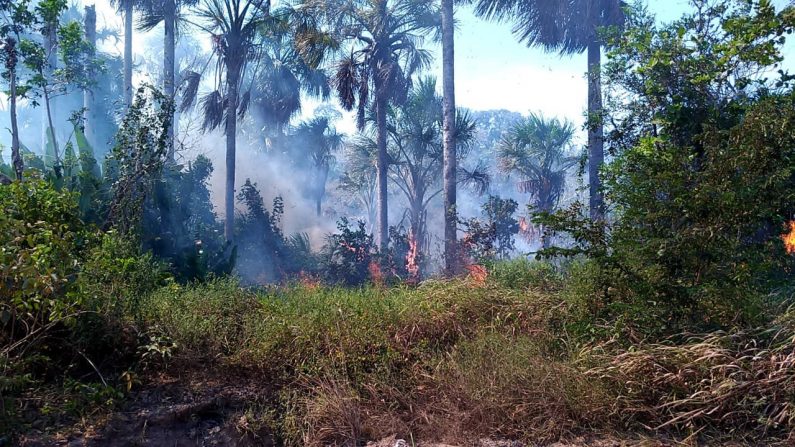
[[478, 273], [308, 281], [375, 273], [789, 238], [412, 266]]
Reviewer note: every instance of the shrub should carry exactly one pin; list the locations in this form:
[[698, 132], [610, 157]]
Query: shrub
[[42, 245], [349, 254]]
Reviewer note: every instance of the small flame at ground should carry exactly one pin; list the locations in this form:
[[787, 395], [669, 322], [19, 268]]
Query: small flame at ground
[[412, 266], [789, 238], [375, 274], [478, 273]]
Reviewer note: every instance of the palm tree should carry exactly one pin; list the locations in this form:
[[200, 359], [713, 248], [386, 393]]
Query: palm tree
[[233, 25], [318, 139], [449, 156], [568, 27], [417, 139], [287, 67], [384, 38], [127, 7], [415, 146], [537, 150], [168, 12]]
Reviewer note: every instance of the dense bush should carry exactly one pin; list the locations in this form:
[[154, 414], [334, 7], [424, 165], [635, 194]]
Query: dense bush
[[701, 186], [42, 247]]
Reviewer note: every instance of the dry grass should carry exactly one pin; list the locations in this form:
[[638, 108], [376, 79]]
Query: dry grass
[[725, 383]]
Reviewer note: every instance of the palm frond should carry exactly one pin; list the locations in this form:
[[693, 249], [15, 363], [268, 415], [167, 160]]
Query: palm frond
[[345, 82], [477, 179], [189, 89], [243, 104], [213, 110]]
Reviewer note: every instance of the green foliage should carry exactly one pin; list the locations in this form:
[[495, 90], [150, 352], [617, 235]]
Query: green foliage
[[522, 273], [138, 157], [702, 183], [348, 254], [42, 244], [260, 240], [376, 340], [116, 275], [179, 224], [491, 237]]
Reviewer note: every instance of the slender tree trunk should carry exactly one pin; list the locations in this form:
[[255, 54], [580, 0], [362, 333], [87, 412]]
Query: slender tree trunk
[[11, 66], [169, 42], [595, 129], [90, 24], [231, 134], [318, 207], [128, 35], [381, 176], [449, 157], [48, 135], [51, 131]]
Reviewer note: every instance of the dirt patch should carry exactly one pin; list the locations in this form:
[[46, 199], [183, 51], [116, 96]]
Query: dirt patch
[[190, 410]]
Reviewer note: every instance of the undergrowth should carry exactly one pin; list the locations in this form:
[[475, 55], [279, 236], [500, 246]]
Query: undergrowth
[[459, 360]]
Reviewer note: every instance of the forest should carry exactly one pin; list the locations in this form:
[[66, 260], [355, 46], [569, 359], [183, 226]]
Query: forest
[[270, 223]]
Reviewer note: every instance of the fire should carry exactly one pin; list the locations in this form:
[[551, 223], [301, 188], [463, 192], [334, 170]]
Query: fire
[[524, 227], [789, 238], [527, 230], [478, 273], [375, 273], [308, 281], [412, 264]]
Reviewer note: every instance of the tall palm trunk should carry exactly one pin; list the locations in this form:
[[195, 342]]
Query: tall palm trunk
[[381, 169], [596, 154], [320, 188], [90, 24], [128, 35], [169, 42], [11, 66], [232, 77], [449, 157]]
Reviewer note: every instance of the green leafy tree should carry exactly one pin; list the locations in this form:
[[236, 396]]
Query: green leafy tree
[[702, 182], [17, 20], [358, 180], [492, 236], [137, 159], [43, 242]]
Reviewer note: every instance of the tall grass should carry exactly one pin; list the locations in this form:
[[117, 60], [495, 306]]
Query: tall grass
[[459, 360]]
